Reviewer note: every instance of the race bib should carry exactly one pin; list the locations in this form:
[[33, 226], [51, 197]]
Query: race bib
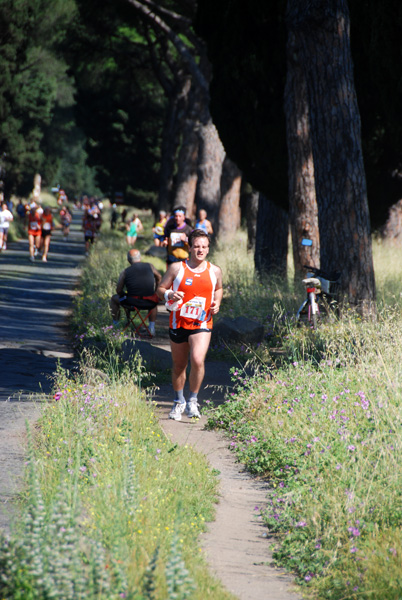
[[34, 226], [159, 230], [175, 240], [194, 309], [46, 226]]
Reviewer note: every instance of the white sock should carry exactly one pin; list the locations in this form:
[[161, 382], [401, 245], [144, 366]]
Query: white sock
[[152, 327]]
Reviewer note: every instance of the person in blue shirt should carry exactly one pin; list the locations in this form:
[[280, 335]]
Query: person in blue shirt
[[203, 222]]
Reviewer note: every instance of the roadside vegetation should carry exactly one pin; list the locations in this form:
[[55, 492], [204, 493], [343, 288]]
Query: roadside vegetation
[[113, 510], [321, 420]]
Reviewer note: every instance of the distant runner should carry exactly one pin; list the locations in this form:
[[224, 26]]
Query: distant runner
[[177, 231], [193, 289], [6, 216], [89, 227], [159, 228], [47, 227], [203, 223], [65, 219], [132, 231], [34, 231]]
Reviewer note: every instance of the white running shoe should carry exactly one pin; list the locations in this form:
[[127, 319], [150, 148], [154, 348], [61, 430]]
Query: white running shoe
[[177, 411], [192, 409], [32, 258]]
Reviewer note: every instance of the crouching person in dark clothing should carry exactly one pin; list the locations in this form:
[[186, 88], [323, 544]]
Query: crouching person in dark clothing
[[138, 281]]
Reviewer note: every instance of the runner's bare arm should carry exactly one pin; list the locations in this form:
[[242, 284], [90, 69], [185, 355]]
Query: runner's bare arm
[[167, 281], [215, 305]]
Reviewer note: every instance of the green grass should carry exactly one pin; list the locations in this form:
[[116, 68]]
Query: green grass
[[321, 420], [112, 508], [323, 425], [91, 321]]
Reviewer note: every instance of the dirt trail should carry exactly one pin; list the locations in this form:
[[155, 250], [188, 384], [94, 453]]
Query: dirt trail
[[34, 302], [236, 543]]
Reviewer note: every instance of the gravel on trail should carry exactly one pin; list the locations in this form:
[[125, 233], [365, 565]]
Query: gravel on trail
[[35, 300]]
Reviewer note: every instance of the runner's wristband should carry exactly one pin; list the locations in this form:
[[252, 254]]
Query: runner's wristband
[[166, 295]]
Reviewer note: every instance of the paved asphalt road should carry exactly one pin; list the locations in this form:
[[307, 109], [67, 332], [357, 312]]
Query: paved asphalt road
[[35, 299]]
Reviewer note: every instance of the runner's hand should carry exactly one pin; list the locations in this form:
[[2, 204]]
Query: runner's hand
[[214, 308], [176, 296]]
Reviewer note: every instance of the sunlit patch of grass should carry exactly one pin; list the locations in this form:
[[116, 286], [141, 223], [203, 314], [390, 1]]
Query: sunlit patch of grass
[[91, 317], [323, 424], [113, 509]]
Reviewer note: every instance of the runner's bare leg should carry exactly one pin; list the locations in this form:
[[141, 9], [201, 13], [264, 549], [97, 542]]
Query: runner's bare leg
[[199, 343], [180, 354]]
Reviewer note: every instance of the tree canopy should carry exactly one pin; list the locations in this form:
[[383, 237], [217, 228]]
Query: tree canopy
[[33, 86], [88, 76], [246, 45]]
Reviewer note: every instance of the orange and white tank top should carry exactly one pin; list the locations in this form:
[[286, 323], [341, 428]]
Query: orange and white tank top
[[198, 291], [34, 223]]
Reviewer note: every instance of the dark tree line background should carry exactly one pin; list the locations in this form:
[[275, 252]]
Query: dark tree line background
[[179, 101]]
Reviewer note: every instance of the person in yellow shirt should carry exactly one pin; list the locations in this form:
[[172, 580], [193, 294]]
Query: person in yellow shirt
[[177, 231], [159, 228]]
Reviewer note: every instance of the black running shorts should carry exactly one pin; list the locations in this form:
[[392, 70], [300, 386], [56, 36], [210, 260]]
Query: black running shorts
[[181, 335]]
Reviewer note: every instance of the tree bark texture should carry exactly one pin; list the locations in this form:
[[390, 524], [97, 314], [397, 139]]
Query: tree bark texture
[[211, 155], [322, 31], [271, 247], [170, 143], [229, 212], [303, 211], [250, 201], [186, 179]]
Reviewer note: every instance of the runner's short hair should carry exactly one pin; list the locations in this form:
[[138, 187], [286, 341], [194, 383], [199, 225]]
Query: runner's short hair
[[198, 233]]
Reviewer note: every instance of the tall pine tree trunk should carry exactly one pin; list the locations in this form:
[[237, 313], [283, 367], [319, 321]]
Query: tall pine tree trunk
[[271, 245], [249, 200], [170, 142], [211, 155], [303, 211], [322, 29], [229, 212], [186, 179]]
